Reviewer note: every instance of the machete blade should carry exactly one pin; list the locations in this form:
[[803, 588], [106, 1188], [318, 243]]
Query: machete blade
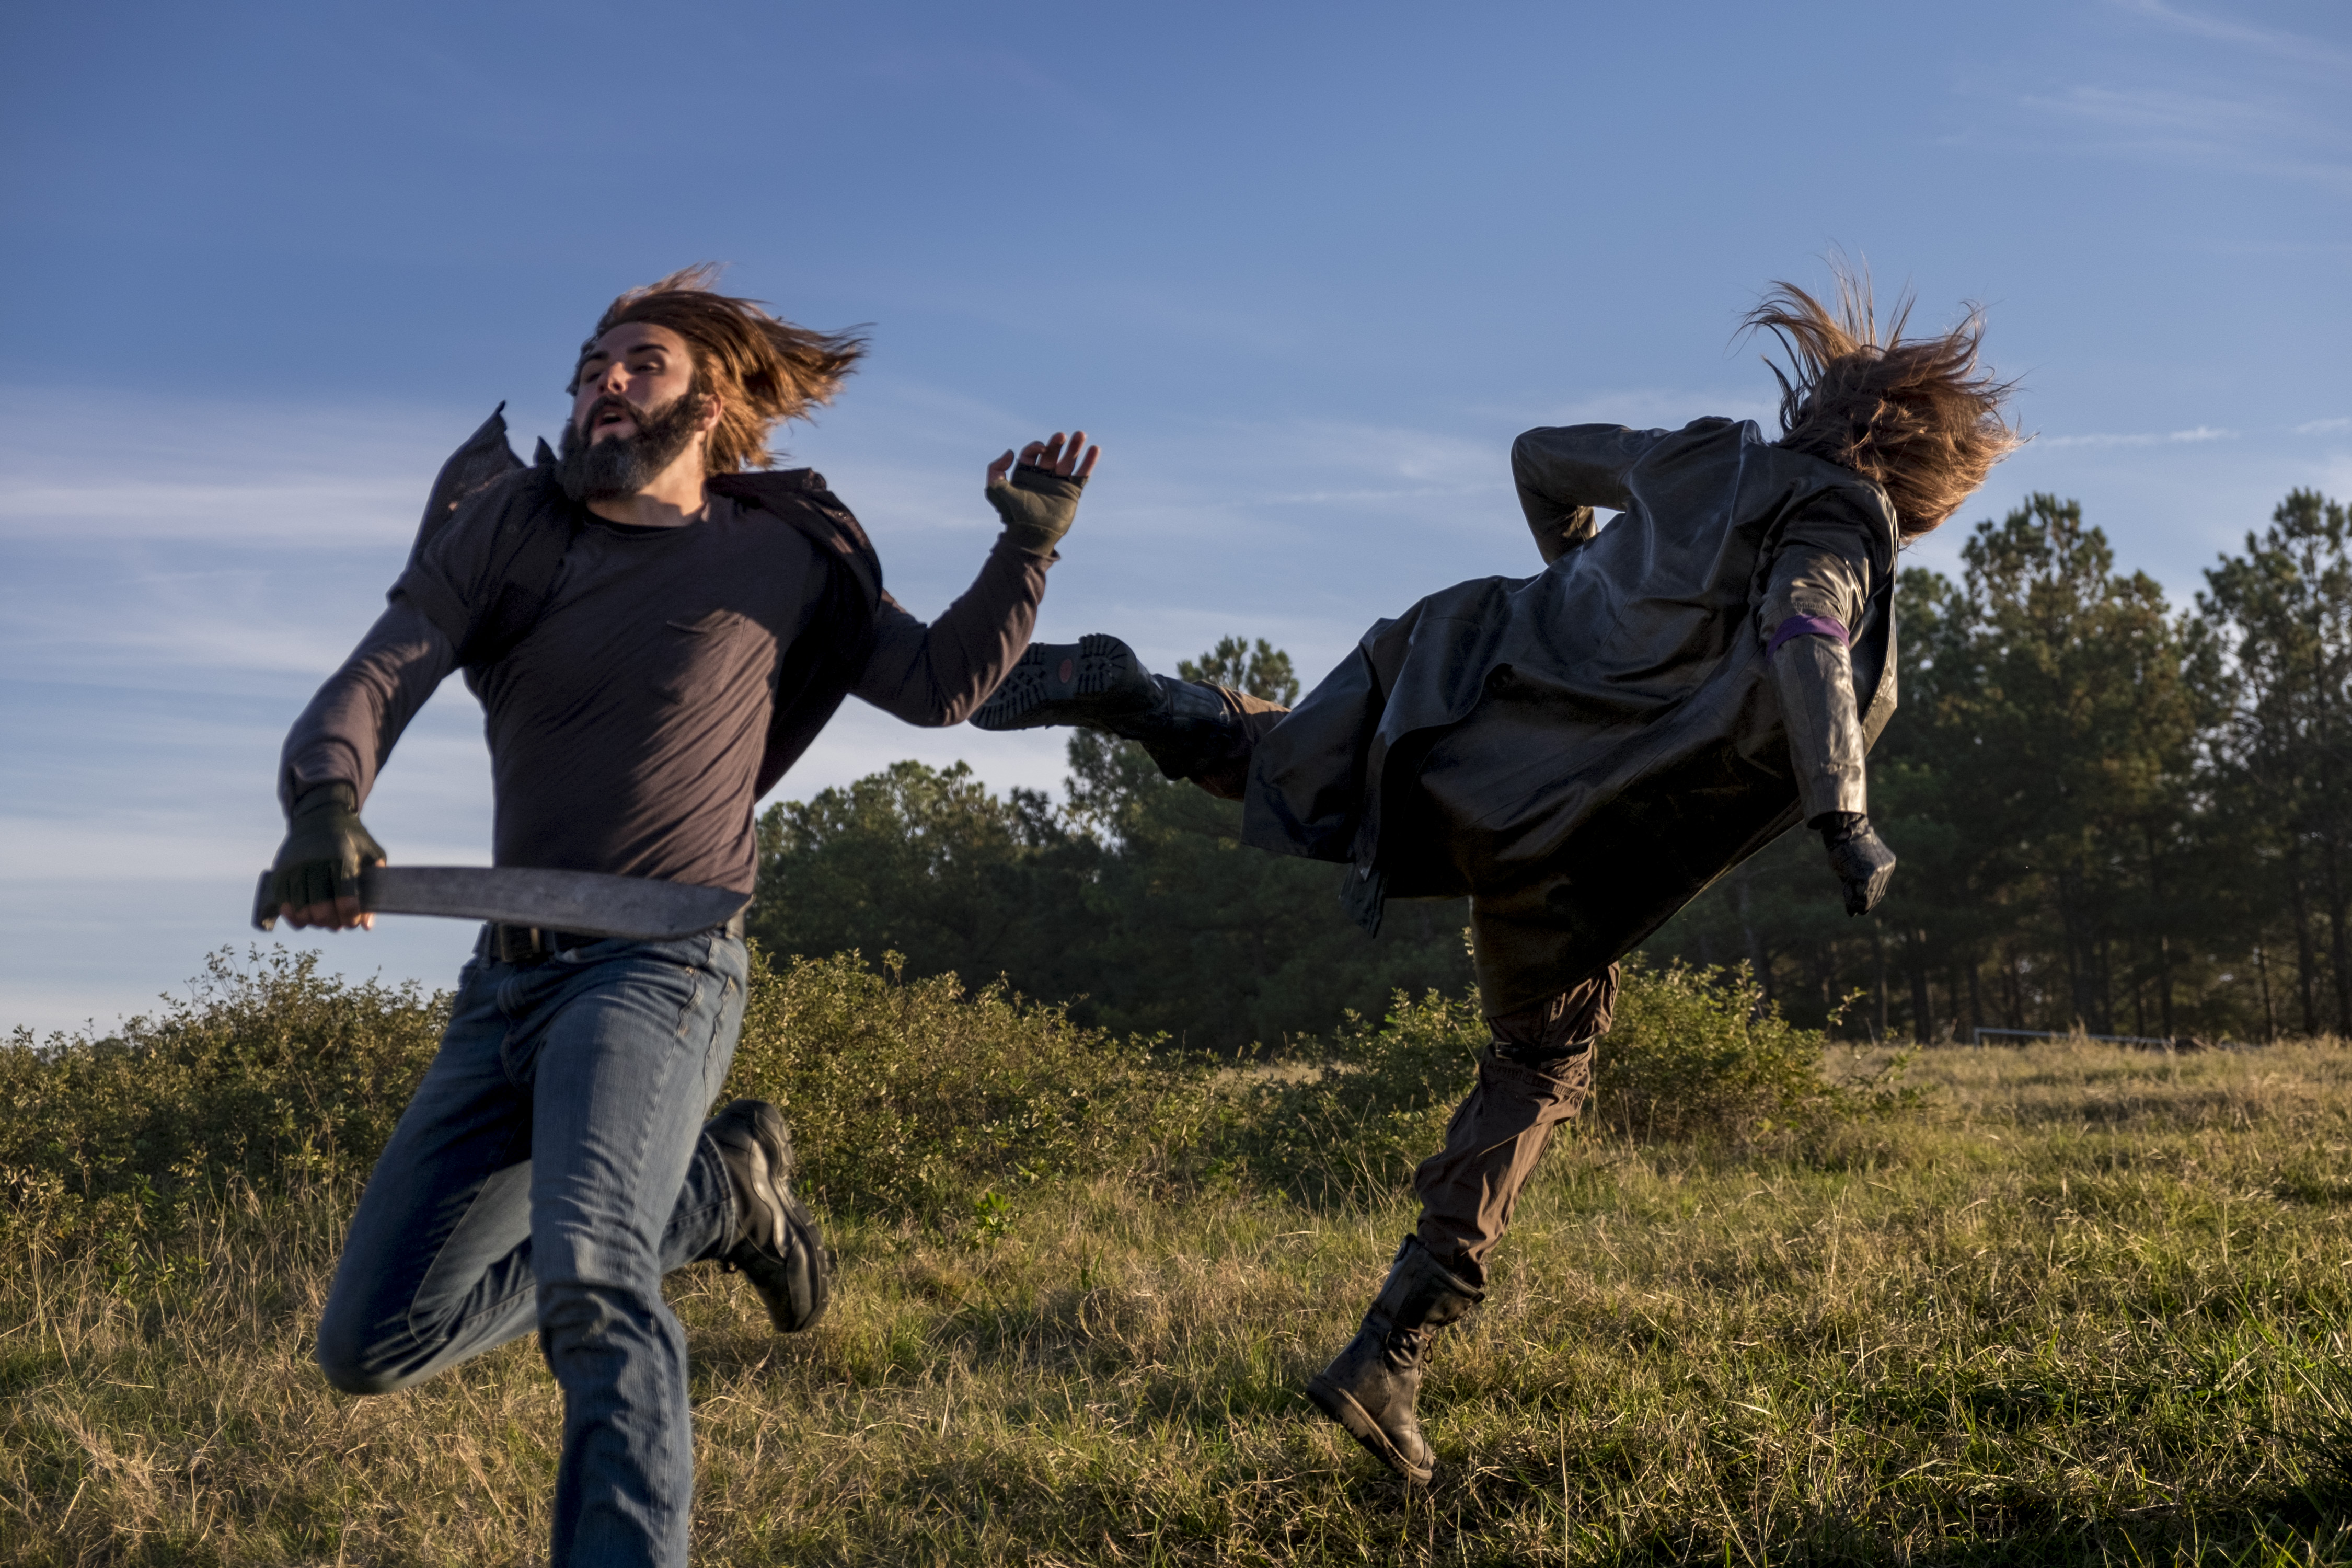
[[589, 903]]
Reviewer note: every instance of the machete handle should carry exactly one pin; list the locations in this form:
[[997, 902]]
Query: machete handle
[[265, 908]]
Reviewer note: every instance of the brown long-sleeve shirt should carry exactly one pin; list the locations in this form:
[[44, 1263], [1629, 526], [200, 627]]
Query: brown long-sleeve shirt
[[625, 731]]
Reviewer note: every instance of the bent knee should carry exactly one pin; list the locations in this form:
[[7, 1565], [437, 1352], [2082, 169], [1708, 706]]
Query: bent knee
[[357, 1377], [353, 1366]]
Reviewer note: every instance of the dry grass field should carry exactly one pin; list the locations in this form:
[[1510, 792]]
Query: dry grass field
[[2084, 1305]]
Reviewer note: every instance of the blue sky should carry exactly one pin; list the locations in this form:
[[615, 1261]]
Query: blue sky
[[1305, 270]]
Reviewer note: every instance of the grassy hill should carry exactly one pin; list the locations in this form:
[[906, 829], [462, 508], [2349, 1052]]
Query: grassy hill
[[2063, 1304]]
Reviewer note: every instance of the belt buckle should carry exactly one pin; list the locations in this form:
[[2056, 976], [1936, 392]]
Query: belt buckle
[[519, 945]]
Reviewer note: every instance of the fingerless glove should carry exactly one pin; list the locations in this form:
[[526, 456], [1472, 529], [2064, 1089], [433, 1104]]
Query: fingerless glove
[[1037, 505], [326, 845]]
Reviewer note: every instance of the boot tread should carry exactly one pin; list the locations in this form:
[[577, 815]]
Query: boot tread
[[1105, 681]]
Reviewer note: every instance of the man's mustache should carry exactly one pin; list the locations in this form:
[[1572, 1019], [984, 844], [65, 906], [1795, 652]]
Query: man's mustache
[[611, 401]]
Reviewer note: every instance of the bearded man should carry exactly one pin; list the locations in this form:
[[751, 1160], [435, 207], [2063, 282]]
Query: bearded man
[[687, 629], [1584, 751]]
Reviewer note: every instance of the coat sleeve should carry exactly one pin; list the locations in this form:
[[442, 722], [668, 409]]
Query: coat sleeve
[[1817, 588], [1829, 560], [453, 580], [1564, 471]]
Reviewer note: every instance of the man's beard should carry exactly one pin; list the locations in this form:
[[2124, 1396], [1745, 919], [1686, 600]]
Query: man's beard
[[622, 465]]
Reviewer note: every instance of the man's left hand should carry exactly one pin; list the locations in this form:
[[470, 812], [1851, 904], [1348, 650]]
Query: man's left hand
[[1039, 501]]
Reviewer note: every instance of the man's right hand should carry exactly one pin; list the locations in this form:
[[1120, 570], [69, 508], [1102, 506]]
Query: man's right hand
[[316, 879]]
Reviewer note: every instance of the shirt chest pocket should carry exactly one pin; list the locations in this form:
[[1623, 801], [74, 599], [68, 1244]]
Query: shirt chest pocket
[[698, 657]]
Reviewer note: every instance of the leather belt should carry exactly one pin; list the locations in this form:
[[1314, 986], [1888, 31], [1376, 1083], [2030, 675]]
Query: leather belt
[[527, 945]]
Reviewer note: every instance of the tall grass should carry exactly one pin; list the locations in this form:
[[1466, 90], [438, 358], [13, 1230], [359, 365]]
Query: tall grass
[[2072, 1304]]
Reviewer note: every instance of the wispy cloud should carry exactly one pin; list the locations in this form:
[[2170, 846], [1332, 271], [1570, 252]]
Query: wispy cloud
[[292, 512], [2142, 438], [2267, 134], [1651, 407], [2192, 436], [2300, 48], [85, 469], [2183, 89]]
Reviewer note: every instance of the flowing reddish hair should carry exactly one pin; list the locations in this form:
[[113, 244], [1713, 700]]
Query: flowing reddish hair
[[1918, 417], [765, 370]]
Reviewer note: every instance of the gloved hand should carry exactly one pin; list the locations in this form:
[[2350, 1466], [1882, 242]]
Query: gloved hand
[[1862, 862], [1040, 501], [316, 879]]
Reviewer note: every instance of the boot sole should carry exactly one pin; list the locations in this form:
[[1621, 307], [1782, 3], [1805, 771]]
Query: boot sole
[[1093, 680], [1341, 1406]]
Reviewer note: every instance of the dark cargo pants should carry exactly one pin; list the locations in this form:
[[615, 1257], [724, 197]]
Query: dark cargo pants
[[1535, 1075]]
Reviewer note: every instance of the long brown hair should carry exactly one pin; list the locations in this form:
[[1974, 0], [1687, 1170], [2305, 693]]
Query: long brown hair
[[765, 369], [1918, 417]]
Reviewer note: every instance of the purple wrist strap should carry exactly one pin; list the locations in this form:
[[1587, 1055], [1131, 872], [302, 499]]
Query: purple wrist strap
[[1805, 627]]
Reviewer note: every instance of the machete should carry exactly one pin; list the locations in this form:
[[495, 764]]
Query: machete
[[588, 902]]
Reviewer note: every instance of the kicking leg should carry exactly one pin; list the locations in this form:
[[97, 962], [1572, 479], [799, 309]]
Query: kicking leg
[[1192, 730]]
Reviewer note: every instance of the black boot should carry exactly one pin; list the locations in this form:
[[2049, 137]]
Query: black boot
[[1369, 1387], [776, 1246], [1095, 682], [1099, 683]]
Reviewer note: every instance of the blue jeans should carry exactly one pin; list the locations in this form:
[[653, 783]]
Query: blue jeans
[[548, 1172]]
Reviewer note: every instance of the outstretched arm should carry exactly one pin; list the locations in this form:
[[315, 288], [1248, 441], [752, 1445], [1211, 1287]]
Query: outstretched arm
[[332, 758], [1564, 471], [936, 674]]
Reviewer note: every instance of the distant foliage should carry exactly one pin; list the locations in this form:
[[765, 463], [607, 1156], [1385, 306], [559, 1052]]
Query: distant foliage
[[925, 863], [1134, 900], [1262, 670], [2110, 815]]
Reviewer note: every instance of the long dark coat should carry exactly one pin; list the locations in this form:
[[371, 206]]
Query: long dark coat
[[1610, 719]]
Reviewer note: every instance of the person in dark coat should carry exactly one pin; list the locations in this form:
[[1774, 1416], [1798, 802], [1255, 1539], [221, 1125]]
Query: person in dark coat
[[1583, 751]]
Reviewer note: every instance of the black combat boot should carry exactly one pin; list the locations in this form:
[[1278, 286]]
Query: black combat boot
[[1369, 1387], [1099, 683], [776, 1245]]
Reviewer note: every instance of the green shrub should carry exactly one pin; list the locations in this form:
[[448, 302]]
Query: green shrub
[[909, 1096], [905, 1097], [264, 1074], [1691, 1053], [1378, 1103], [1699, 1052]]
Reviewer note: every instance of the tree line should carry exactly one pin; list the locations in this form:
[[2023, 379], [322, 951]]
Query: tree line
[[2111, 814], [1133, 899]]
